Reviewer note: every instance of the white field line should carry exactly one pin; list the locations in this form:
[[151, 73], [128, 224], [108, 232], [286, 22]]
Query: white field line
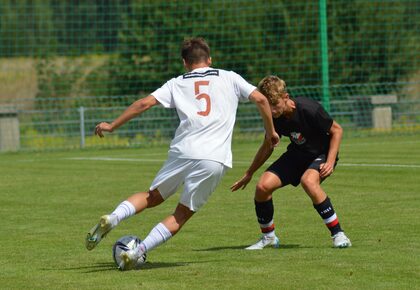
[[237, 162], [352, 144], [380, 165], [343, 144], [117, 159]]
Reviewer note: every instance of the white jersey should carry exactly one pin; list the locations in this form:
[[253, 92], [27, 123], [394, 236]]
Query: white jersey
[[206, 100]]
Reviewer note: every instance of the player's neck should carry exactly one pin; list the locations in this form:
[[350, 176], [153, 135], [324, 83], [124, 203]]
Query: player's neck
[[290, 108], [192, 66], [197, 65]]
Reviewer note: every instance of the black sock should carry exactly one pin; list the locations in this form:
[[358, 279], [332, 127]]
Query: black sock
[[265, 213], [327, 213]]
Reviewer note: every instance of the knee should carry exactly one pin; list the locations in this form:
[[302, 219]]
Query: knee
[[262, 192], [154, 198], [309, 184]]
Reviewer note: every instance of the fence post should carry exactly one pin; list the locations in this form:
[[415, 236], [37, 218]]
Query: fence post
[[9, 129], [82, 126], [323, 25], [382, 111]]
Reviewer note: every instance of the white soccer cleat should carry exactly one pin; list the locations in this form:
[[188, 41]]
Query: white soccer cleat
[[264, 242], [98, 232], [130, 260], [340, 240]]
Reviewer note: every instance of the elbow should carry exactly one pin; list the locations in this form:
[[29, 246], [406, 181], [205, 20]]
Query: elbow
[[262, 101], [258, 98], [336, 129], [146, 103], [339, 130], [140, 106]]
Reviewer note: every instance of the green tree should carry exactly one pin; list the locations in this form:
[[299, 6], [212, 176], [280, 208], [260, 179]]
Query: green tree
[[372, 41], [26, 28]]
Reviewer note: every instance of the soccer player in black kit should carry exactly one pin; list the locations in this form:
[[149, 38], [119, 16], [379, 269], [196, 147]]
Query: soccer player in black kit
[[310, 158]]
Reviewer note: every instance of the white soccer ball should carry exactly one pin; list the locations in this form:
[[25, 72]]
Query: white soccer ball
[[126, 243]]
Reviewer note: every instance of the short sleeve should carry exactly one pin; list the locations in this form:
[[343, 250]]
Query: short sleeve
[[323, 119], [242, 88], [164, 95]]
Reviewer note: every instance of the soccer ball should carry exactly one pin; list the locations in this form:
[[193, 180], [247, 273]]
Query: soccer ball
[[126, 243]]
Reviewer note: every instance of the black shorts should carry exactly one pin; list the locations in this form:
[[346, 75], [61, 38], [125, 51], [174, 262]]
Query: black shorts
[[292, 165]]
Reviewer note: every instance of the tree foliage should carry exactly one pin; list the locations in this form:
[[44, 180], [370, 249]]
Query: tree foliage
[[369, 41]]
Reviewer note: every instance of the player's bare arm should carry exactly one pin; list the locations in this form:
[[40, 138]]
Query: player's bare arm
[[336, 133], [131, 112], [264, 108], [263, 153]]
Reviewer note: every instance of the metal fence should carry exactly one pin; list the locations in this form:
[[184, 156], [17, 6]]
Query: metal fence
[[26, 125], [66, 65]]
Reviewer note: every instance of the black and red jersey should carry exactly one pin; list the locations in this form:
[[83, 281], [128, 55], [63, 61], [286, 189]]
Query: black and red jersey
[[308, 128]]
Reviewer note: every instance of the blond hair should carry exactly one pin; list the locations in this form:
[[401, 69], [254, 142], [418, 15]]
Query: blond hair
[[273, 88]]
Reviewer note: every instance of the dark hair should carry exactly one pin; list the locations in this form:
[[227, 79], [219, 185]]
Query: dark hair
[[195, 50]]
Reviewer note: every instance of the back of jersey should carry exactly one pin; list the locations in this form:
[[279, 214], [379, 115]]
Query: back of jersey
[[206, 100]]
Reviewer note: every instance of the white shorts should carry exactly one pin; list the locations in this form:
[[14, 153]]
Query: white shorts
[[200, 178]]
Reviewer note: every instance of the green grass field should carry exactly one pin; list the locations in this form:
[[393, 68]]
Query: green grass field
[[50, 200]]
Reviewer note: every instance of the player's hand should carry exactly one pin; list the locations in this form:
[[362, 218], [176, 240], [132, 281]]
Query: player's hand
[[241, 183], [103, 127], [273, 139], [326, 169]]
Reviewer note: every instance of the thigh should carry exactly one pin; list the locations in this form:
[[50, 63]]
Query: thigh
[[200, 182], [316, 163]]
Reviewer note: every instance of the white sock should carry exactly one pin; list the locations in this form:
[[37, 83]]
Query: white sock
[[269, 226], [124, 210], [270, 234], [157, 236]]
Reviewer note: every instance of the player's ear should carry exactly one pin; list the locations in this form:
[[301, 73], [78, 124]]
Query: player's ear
[[209, 61]]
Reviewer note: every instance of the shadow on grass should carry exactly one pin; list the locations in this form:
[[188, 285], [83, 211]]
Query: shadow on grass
[[98, 267], [108, 266], [291, 246]]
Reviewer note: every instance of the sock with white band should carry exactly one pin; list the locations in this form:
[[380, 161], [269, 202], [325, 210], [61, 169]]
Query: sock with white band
[[157, 236], [124, 210]]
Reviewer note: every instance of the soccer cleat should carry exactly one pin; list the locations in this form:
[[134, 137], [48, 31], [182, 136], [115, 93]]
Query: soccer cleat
[[264, 242], [129, 260], [340, 240], [98, 232]]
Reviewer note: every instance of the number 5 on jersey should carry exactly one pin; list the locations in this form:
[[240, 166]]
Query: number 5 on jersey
[[204, 96]]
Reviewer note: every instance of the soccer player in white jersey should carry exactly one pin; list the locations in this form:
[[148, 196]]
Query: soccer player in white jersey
[[206, 100]]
